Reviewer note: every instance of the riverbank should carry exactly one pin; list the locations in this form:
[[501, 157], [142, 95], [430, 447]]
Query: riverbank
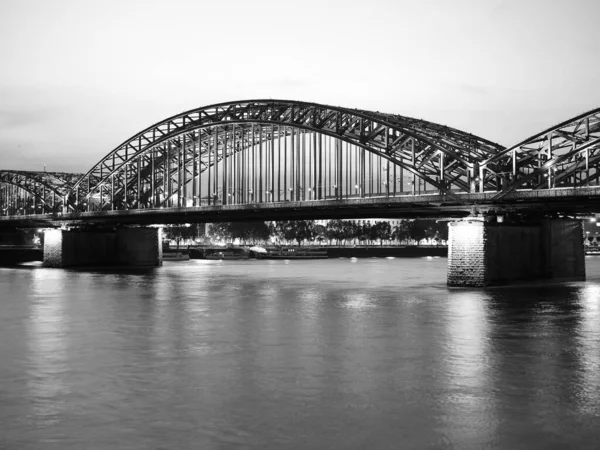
[[333, 252], [383, 252]]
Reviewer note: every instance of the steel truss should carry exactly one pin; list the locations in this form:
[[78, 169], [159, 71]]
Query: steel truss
[[260, 151], [566, 155], [274, 150], [23, 192]]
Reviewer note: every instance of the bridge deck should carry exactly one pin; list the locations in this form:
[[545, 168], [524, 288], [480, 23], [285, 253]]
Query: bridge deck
[[572, 201]]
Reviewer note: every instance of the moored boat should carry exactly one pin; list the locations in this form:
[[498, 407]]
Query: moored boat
[[294, 253], [175, 256], [219, 253], [227, 255]]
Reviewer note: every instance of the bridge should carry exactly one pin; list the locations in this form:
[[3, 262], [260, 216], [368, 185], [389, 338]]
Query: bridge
[[282, 159]]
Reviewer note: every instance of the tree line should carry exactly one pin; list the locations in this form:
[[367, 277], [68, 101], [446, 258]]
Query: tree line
[[335, 232]]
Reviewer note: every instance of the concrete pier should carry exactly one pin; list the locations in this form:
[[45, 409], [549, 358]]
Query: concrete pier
[[486, 254], [123, 247]]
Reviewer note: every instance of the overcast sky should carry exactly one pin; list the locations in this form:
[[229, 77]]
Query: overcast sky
[[79, 77]]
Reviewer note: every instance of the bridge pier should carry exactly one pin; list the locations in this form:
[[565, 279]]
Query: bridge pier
[[483, 253], [88, 247]]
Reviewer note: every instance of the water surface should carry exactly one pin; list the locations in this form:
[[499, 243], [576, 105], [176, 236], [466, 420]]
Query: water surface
[[323, 354]]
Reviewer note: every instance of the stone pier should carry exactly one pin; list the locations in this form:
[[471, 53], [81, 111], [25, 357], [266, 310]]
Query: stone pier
[[485, 254], [121, 247]]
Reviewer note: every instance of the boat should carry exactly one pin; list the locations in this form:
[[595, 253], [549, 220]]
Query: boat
[[294, 253], [227, 255], [175, 256], [219, 253], [197, 253]]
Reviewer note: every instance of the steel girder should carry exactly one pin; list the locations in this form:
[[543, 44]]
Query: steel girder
[[161, 165], [35, 192], [565, 155], [443, 157]]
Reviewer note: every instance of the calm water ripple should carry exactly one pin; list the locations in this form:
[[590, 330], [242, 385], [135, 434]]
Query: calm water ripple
[[325, 354]]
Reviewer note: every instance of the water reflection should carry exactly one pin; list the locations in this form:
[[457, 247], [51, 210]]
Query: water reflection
[[588, 337], [48, 337], [469, 408], [269, 354]]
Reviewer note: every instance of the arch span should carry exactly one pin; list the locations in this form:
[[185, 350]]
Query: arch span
[[36, 192], [239, 152], [564, 155]]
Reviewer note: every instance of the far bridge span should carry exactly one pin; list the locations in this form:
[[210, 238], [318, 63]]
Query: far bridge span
[[281, 159]]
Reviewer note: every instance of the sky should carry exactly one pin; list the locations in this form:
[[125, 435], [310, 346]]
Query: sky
[[78, 77]]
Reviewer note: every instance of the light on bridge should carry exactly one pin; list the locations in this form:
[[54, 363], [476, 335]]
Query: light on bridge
[[467, 233]]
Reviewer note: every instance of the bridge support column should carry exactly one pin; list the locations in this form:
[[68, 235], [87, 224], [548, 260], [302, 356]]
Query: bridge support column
[[486, 254], [123, 247]]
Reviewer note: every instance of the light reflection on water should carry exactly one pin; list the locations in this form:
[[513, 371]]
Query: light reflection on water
[[348, 353]]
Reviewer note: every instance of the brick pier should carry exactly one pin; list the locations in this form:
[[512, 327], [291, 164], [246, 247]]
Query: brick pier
[[124, 246], [486, 254]]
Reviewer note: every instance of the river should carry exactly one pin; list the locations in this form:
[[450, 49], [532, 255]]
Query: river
[[322, 354]]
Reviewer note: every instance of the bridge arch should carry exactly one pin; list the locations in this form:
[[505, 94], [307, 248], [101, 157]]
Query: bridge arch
[[564, 155], [171, 157], [34, 192]]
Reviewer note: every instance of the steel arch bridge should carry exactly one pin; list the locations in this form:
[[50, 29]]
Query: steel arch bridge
[[29, 193], [260, 152], [565, 155]]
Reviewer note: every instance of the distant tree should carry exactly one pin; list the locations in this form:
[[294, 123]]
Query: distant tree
[[442, 230], [435, 230], [249, 231], [179, 233], [355, 229], [430, 233], [348, 231], [372, 232], [334, 230], [417, 230], [401, 232], [320, 233], [278, 230], [258, 232], [304, 230], [382, 231], [295, 230], [362, 232], [273, 230], [220, 230]]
